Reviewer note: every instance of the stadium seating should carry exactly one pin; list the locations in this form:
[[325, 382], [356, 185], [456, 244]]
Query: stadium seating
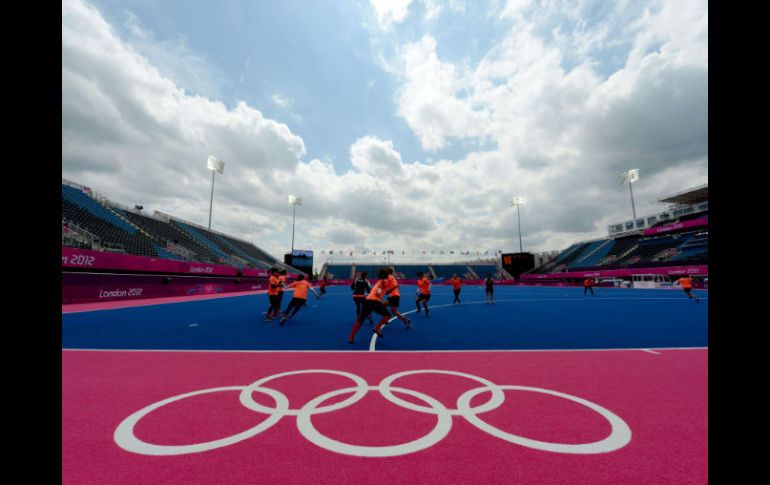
[[114, 233], [649, 248], [167, 234], [696, 248], [338, 271], [482, 271], [89, 224], [446, 271]]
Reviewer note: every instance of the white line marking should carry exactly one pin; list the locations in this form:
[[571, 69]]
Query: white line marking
[[373, 342], [650, 351], [381, 351]]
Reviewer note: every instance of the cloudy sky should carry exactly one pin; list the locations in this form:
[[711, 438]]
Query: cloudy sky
[[404, 125]]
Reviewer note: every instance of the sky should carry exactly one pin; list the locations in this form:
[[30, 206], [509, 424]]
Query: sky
[[404, 125]]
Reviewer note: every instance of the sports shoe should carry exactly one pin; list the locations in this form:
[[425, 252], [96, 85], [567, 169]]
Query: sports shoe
[[283, 320], [379, 333], [350, 340]]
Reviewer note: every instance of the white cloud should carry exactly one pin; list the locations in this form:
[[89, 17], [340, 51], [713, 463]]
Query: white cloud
[[429, 101], [432, 9], [558, 136], [281, 100], [389, 12], [513, 8], [375, 157]]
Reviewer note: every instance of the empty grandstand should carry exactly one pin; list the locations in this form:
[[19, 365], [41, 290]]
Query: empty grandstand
[[467, 270], [99, 224], [674, 237]]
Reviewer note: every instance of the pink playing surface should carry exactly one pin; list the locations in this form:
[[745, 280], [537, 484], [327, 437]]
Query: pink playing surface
[[661, 397]]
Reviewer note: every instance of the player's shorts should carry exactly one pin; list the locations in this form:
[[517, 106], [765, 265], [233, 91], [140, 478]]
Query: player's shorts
[[296, 302], [394, 301], [374, 306], [423, 297]]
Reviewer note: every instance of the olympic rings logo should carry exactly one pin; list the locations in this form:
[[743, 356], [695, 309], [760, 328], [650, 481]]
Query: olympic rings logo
[[619, 437]]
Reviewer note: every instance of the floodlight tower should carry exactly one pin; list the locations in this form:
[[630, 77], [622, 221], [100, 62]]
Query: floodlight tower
[[294, 201], [517, 201], [630, 177], [215, 165]]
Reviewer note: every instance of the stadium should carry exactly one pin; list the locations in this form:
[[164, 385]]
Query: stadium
[[133, 282], [469, 282]]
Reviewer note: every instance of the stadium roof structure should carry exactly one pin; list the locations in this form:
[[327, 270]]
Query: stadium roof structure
[[689, 196]]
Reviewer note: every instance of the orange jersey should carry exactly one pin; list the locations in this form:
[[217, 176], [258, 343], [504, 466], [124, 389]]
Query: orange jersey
[[588, 282], [274, 283], [300, 289], [685, 282], [424, 285], [456, 283], [392, 285], [373, 295]]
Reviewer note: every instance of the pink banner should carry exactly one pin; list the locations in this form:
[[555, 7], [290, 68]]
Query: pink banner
[[702, 270], [97, 260], [703, 221], [94, 287]]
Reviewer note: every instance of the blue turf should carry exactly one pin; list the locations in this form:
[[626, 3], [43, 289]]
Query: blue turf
[[522, 318]]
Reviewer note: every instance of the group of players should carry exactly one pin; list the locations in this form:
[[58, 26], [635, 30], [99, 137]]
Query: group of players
[[384, 297], [277, 285]]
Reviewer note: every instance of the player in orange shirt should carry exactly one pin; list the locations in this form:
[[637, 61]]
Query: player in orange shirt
[[373, 303], [588, 284], [281, 276], [456, 284], [300, 297], [274, 284], [391, 288], [686, 283], [423, 292]]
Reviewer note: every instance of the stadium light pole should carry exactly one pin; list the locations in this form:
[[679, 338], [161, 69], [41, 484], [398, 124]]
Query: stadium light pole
[[630, 177], [215, 165], [517, 201], [294, 201]]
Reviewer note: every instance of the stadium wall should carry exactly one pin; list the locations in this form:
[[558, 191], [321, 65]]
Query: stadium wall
[[92, 276], [700, 270], [93, 287], [75, 258]]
